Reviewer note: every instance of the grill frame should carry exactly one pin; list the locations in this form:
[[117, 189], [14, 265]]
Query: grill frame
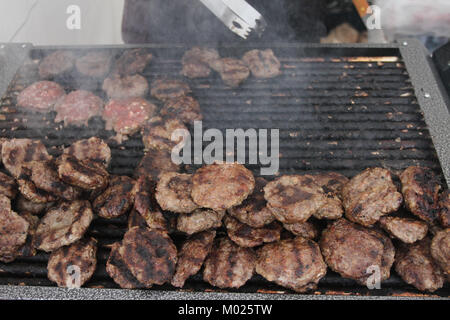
[[424, 80]]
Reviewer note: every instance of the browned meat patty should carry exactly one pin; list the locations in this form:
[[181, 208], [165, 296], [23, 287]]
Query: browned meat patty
[[440, 250], [331, 184], [173, 192], [169, 89], [74, 265], [228, 265], [28, 249], [246, 236], [132, 61], [253, 210], [150, 255], [157, 133], [117, 87], [56, 63], [85, 174], [78, 107], [350, 249], [40, 96], [405, 229], [296, 264], [370, 195], [95, 64], [13, 231], [126, 116], [94, 149], [232, 71], [421, 191], [30, 192], [117, 199], [44, 176], [145, 205], [184, 108], [8, 186], [191, 256], [155, 162], [220, 186], [199, 220], [17, 152], [306, 229], [415, 265], [262, 63], [196, 62], [118, 270], [293, 199], [24, 205], [444, 212], [63, 225]]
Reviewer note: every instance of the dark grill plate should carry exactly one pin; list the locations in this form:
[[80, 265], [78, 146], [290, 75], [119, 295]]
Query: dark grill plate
[[337, 110]]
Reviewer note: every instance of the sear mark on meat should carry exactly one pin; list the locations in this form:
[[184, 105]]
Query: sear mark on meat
[[196, 62], [160, 133], [169, 89], [117, 199], [185, 109], [199, 220], [173, 192], [94, 149], [232, 71], [132, 61]]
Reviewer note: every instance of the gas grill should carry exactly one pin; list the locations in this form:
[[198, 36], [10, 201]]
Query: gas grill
[[338, 108]]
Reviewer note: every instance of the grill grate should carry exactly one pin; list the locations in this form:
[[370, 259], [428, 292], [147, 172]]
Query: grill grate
[[334, 114]]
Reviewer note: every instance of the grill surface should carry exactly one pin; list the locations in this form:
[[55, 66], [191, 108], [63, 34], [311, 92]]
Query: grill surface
[[339, 113]]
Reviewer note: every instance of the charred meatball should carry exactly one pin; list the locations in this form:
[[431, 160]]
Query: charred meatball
[[370, 195], [185, 109], [132, 61], [169, 89], [173, 192], [155, 162], [117, 199], [331, 184], [306, 229], [296, 264], [262, 63], [199, 220], [232, 71], [196, 62], [228, 265], [164, 133], [78, 107], [94, 149], [220, 186]]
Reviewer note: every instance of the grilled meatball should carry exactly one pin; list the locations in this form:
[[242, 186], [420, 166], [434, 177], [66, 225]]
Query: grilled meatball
[[293, 199], [184, 108], [30, 192], [44, 176], [74, 265], [63, 225], [118, 270], [444, 212], [173, 192], [8, 186], [85, 174], [169, 89], [331, 184], [117, 87], [78, 107], [350, 249], [370, 195], [94, 149], [440, 251], [196, 62], [158, 133], [421, 191], [303, 229], [199, 220], [220, 186], [415, 265], [145, 205], [191, 256], [246, 236], [41, 96], [126, 116], [155, 162], [293, 263], [117, 199], [232, 71], [228, 265], [95, 64], [132, 61], [405, 229], [28, 249], [13, 231], [262, 63], [17, 152], [56, 63], [150, 255], [25, 205], [253, 210]]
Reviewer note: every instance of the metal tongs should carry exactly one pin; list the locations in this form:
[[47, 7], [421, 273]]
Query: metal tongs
[[238, 16]]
